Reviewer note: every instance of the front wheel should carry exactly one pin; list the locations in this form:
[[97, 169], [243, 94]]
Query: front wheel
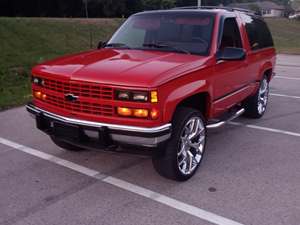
[[181, 156], [256, 105]]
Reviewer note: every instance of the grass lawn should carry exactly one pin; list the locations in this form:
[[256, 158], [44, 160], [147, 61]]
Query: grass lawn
[[286, 35], [27, 41]]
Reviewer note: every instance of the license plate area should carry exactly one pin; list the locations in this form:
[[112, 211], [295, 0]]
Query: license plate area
[[66, 130]]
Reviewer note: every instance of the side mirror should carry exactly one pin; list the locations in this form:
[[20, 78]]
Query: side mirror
[[101, 44], [231, 54]]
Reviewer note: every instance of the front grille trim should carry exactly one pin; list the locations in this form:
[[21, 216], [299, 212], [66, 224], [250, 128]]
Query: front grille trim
[[79, 88], [89, 97]]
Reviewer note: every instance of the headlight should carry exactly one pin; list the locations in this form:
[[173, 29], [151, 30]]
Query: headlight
[[140, 97], [37, 81], [136, 96], [123, 95]]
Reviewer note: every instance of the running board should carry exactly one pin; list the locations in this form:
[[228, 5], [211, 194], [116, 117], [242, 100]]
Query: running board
[[221, 123]]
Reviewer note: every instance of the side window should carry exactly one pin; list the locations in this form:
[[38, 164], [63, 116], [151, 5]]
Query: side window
[[265, 38], [258, 33], [231, 36]]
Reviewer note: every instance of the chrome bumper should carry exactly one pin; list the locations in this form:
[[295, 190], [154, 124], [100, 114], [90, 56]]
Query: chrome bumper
[[141, 136]]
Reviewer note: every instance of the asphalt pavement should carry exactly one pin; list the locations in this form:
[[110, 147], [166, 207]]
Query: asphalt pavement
[[250, 173]]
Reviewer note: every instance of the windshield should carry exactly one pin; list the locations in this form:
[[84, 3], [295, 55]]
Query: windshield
[[185, 32]]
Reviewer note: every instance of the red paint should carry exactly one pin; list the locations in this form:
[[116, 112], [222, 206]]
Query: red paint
[[175, 76]]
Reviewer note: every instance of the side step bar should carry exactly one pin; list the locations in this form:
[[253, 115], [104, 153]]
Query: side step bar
[[221, 123]]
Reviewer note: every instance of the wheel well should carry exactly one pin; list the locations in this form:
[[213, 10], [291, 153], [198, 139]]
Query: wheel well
[[268, 73], [198, 101]]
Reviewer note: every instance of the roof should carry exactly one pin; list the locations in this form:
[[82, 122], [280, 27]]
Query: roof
[[167, 11], [215, 8], [263, 5], [201, 9]]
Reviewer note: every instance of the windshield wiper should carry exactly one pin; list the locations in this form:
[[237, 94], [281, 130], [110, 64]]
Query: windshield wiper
[[164, 45], [117, 45]]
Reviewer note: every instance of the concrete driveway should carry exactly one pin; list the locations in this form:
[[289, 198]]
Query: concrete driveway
[[250, 174]]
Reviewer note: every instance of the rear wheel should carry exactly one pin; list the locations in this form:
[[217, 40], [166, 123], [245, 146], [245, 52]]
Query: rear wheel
[[256, 105], [181, 156], [65, 145]]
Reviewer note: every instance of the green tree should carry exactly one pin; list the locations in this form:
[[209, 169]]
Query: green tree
[[254, 7], [295, 4], [158, 4]]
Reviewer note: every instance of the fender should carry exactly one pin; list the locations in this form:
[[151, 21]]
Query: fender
[[266, 66], [269, 63], [176, 96]]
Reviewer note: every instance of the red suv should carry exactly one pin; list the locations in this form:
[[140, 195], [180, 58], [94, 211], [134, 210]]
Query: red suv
[[161, 80]]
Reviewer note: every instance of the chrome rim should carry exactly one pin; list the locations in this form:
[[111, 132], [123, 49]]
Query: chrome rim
[[191, 144], [263, 96]]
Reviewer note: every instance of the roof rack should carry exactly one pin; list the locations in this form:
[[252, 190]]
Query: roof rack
[[217, 7]]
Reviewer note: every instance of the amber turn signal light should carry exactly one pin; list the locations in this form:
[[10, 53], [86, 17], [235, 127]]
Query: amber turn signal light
[[154, 114], [141, 113], [122, 111], [39, 95], [154, 98], [44, 96]]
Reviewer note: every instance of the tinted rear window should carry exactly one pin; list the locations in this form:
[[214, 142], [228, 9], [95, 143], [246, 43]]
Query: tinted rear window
[[259, 34]]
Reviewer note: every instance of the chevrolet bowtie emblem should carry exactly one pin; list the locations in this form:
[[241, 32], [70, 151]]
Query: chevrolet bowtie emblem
[[71, 97]]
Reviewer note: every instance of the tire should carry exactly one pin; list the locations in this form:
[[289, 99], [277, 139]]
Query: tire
[[172, 160], [66, 145], [256, 105]]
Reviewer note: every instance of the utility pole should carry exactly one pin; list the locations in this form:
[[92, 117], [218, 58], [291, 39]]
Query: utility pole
[[87, 17], [199, 3], [86, 9]]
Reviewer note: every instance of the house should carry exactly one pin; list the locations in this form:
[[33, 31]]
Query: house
[[266, 8], [295, 14]]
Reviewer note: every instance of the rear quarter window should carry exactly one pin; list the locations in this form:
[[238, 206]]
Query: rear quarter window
[[258, 32]]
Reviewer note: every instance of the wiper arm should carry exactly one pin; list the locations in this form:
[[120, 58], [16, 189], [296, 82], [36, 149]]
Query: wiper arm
[[164, 45], [153, 45], [117, 45]]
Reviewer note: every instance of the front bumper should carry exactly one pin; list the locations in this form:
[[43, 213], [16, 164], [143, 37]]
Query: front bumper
[[141, 136]]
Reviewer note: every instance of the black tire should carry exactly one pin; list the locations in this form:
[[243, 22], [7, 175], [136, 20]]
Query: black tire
[[251, 104], [165, 158], [65, 145]]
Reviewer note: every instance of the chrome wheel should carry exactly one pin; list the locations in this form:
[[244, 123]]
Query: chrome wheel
[[192, 141], [263, 96]]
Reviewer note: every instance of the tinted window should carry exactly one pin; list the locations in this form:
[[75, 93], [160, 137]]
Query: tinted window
[[188, 31], [231, 36], [259, 34]]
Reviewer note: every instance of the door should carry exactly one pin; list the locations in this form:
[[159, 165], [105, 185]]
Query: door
[[230, 77]]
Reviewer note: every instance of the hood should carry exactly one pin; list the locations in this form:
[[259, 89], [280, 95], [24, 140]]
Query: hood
[[134, 68]]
